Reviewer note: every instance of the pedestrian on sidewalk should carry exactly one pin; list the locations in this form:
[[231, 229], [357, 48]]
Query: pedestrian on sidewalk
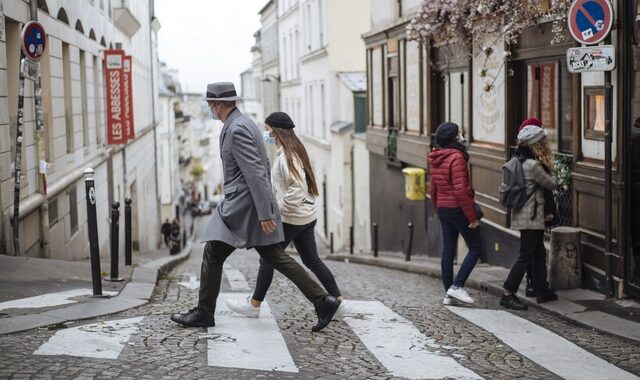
[[247, 217], [537, 160], [166, 232], [295, 189], [453, 202]]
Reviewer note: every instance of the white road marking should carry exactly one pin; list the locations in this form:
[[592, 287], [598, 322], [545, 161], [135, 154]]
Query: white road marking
[[192, 284], [236, 278], [542, 346], [49, 299], [103, 340], [249, 343], [399, 345]]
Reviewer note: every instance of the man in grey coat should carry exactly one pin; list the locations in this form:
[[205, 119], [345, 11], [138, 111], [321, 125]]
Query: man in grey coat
[[248, 217]]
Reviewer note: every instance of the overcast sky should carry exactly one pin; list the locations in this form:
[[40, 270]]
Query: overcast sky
[[207, 40]]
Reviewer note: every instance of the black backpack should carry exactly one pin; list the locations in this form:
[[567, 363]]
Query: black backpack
[[513, 193]]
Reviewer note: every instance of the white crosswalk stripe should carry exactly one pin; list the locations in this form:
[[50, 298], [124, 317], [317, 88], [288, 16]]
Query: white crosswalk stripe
[[542, 346], [399, 345], [250, 343], [50, 299], [103, 340]]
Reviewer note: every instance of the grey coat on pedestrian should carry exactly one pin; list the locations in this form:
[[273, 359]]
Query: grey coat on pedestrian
[[248, 197], [531, 215]]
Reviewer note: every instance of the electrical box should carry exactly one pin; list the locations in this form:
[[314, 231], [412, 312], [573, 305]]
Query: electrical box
[[414, 180]]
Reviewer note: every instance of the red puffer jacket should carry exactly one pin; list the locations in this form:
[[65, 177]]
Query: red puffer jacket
[[449, 184]]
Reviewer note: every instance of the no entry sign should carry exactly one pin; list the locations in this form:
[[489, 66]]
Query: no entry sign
[[34, 40], [590, 20]]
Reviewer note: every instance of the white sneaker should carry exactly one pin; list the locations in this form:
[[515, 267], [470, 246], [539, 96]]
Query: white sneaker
[[460, 294], [449, 301], [243, 307]]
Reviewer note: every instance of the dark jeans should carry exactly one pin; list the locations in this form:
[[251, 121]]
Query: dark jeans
[[532, 253], [216, 252], [454, 222], [304, 240]]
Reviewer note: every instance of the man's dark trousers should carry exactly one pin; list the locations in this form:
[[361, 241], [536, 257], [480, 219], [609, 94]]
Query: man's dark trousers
[[216, 252]]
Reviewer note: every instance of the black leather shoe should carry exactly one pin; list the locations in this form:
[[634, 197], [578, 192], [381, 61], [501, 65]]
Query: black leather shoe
[[547, 296], [512, 302], [325, 311], [195, 317], [529, 292]]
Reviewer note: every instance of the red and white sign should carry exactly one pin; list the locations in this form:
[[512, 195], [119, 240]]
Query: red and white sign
[[114, 71], [34, 40], [127, 99], [590, 21]]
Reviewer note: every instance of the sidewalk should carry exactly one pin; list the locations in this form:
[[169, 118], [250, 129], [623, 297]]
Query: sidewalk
[[41, 292], [582, 306]]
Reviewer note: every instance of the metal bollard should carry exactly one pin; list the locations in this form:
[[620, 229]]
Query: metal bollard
[[351, 240], [407, 255], [375, 239], [331, 242], [127, 231], [115, 242], [94, 246]]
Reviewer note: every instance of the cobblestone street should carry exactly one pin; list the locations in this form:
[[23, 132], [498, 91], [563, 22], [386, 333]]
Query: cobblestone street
[[160, 348]]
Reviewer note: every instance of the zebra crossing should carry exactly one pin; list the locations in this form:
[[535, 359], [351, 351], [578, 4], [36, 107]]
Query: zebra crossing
[[398, 345]]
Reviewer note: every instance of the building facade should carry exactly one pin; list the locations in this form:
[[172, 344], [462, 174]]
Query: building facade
[[52, 208], [408, 99]]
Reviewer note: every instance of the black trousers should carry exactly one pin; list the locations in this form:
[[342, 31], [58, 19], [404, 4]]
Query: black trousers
[[216, 252], [532, 253], [304, 240]]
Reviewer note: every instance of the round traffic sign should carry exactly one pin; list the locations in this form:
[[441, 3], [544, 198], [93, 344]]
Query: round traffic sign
[[590, 21], [34, 40]]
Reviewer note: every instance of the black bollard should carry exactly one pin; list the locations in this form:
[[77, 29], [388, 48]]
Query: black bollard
[[92, 221], [115, 242], [351, 240], [407, 255], [127, 231], [375, 239], [331, 242]]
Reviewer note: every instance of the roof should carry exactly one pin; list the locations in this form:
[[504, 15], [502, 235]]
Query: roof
[[265, 7], [356, 81]]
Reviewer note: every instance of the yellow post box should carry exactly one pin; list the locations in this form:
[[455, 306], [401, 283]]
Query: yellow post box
[[414, 180]]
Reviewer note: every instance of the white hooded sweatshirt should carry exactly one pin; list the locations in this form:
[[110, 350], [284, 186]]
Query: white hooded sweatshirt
[[297, 206]]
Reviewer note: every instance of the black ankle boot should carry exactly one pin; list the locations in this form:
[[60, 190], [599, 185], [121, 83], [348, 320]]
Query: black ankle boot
[[547, 296], [325, 311], [512, 302]]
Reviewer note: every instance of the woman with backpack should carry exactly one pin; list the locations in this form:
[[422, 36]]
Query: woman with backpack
[[294, 186], [453, 202], [536, 157]]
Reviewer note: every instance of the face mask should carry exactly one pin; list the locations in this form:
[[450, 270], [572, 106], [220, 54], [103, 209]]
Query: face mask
[[267, 138], [211, 115]]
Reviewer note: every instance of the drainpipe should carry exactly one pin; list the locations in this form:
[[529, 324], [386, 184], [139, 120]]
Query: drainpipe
[[153, 108]]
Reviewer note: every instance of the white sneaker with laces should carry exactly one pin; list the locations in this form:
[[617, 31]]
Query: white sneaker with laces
[[460, 294], [243, 307]]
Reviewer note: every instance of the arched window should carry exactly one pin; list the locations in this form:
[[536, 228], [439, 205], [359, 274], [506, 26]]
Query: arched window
[[42, 5], [102, 42], [79, 27], [62, 16], [92, 35]]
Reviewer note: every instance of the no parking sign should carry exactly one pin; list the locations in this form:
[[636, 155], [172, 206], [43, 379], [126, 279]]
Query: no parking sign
[[590, 21]]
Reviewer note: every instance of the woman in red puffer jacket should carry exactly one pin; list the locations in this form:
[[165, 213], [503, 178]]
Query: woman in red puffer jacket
[[452, 198]]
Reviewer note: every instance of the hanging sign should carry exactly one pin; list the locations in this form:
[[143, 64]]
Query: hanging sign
[[590, 21], [592, 58], [127, 99], [114, 71], [34, 40]]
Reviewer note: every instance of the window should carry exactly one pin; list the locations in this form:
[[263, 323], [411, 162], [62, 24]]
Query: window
[[73, 209], [68, 108], [548, 89], [456, 89], [83, 94], [323, 111], [361, 113], [321, 22], [96, 99], [393, 95], [594, 113], [53, 212]]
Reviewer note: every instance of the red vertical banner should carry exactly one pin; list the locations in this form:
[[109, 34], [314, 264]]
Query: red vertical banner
[[114, 72], [548, 89], [127, 88]]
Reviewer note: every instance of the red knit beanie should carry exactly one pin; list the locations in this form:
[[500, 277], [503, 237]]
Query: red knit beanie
[[531, 121]]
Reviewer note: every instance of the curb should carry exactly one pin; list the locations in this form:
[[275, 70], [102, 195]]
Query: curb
[[566, 309], [136, 292]]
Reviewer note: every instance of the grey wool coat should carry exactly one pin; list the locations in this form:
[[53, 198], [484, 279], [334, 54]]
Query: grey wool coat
[[248, 197], [531, 215]]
